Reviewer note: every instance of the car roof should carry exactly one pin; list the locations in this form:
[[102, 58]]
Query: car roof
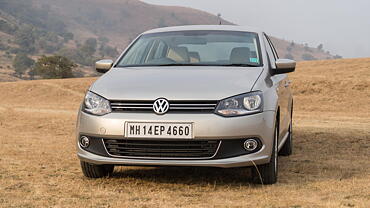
[[205, 27]]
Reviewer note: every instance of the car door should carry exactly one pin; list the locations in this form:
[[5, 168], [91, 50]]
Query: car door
[[280, 82], [287, 101]]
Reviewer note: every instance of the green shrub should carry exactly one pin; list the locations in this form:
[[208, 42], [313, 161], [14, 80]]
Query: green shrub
[[54, 67], [21, 63]]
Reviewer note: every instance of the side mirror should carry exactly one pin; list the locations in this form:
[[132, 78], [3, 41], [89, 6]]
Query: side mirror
[[284, 66], [103, 66]]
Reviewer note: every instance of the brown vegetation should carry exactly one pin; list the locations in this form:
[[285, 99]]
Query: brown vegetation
[[329, 167]]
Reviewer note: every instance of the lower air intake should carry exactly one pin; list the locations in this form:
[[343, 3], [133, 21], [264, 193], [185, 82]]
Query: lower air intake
[[154, 149]]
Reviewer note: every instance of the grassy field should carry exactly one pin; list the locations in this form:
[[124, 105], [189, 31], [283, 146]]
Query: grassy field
[[330, 166]]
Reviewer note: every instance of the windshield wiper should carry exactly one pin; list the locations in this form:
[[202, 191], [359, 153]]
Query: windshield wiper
[[241, 65]]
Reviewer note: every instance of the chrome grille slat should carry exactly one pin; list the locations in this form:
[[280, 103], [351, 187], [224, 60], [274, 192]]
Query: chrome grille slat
[[175, 106], [193, 104], [164, 149], [131, 104], [192, 108], [131, 107]]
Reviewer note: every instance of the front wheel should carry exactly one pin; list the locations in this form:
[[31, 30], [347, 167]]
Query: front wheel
[[267, 173], [96, 171]]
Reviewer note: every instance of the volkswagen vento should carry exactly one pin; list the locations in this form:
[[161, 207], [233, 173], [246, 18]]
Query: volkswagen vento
[[215, 96]]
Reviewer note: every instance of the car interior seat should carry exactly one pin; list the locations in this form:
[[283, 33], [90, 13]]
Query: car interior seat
[[194, 57], [240, 55]]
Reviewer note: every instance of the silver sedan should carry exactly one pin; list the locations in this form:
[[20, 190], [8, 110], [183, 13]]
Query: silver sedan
[[215, 96]]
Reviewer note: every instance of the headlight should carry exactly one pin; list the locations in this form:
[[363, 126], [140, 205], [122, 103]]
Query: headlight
[[241, 105], [96, 104]]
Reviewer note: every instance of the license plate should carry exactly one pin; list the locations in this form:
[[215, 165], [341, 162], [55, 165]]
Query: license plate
[[159, 130]]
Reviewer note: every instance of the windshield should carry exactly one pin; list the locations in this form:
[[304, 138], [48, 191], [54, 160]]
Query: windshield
[[199, 48]]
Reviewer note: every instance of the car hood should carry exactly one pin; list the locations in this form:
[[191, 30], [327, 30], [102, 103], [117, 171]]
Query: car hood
[[174, 83]]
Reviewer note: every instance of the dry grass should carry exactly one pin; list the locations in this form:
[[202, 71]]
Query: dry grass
[[329, 168]]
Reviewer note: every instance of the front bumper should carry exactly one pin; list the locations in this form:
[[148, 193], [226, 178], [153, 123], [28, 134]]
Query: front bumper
[[206, 126]]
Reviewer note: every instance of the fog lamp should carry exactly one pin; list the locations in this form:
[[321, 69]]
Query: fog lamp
[[250, 145], [84, 142]]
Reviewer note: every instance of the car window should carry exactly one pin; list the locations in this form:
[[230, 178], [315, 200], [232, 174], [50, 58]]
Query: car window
[[272, 47], [161, 50], [214, 52], [138, 51], [270, 52], [194, 47]]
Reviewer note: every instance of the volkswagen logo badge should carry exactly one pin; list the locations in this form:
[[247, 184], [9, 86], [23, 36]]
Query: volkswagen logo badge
[[161, 106]]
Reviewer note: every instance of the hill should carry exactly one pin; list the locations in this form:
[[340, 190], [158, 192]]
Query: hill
[[87, 30], [329, 166]]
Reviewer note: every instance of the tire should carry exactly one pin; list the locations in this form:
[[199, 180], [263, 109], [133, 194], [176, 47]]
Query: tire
[[267, 173], [96, 171]]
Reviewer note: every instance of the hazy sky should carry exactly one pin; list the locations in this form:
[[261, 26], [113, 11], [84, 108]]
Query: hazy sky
[[343, 26]]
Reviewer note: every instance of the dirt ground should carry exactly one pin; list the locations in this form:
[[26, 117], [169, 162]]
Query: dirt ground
[[330, 166]]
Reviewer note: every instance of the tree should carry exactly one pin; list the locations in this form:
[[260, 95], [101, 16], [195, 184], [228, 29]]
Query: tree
[[320, 47], [89, 47], [308, 57], [6, 27], [219, 18], [84, 54], [25, 38], [306, 48], [21, 63], [32, 73], [67, 36], [106, 50], [289, 56], [103, 40], [54, 67], [162, 23], [77, 56]]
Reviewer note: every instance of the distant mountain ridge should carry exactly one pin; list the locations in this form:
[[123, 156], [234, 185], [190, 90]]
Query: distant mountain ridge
[[38, 27]]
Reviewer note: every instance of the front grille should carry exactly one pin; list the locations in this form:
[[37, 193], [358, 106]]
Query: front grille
[[175, 106], [179, 149]]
